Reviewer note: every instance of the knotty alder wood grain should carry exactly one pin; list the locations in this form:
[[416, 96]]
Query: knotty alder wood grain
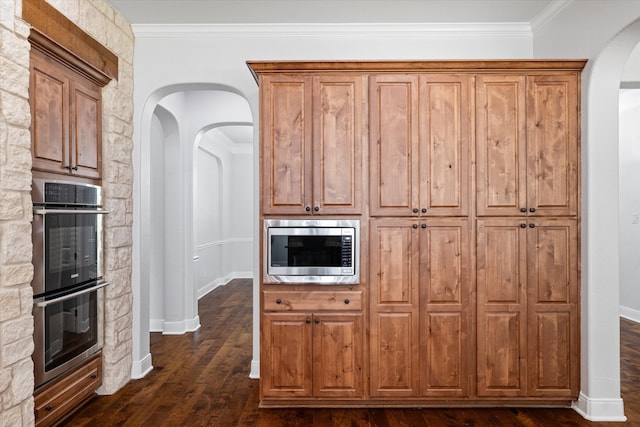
[[202, 379], [465, 177], [527, 144], [311, 150], [67, 119]]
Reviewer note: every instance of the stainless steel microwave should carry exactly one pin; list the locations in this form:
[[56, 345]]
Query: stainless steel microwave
[[312, 251]]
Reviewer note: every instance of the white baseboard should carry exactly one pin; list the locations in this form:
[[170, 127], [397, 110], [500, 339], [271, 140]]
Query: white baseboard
[[600, 410], [223, 281], [630, 314], [255, 370], [181, 327], [140, 368]]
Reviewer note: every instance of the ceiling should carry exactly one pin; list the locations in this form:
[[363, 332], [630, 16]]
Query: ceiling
[[330, 11]]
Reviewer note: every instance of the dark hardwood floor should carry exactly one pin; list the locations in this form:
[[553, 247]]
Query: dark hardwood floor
[[201, 379]]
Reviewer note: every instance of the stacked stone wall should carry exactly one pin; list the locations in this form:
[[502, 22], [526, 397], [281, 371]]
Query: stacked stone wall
[[103, 23]]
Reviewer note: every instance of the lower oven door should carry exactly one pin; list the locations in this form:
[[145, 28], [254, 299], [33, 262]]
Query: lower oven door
[[68, 330]]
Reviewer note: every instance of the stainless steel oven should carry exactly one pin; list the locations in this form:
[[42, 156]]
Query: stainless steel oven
[[68, 280]]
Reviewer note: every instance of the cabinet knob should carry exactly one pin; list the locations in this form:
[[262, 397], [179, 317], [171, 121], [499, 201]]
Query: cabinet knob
[[532, 226], [523, 210], [415, 210], [346, 301], [523, 225], [532, 210], [308, 320], [424, 210], [94, 376], [415, 225], [317, 209], [316, 321], [48, 408], [278, 301], [423, 225], [308, 209]]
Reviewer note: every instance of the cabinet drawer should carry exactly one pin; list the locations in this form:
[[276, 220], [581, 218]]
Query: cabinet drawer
[[312, 300], [59, 398]]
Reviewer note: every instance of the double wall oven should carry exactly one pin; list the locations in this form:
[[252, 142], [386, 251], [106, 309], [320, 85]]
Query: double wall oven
[[68, 280]]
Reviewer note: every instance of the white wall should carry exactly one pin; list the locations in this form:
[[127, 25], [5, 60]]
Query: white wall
[[222, 211], [243, 204], [156, 308], [630, 204]]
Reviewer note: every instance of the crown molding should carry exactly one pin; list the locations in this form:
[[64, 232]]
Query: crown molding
[[517, 29]]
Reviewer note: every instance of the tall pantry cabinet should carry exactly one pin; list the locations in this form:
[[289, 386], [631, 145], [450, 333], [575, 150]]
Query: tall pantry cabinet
[[527, 234], [465, 176]]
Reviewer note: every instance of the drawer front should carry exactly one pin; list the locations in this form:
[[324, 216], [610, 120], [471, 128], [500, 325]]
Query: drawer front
[[312, 300], [54, 401]]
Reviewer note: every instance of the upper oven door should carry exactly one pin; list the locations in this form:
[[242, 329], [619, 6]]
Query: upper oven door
[[67, 248]]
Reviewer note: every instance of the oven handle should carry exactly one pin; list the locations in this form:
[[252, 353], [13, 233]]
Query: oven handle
[[43, 304], [70, 211]]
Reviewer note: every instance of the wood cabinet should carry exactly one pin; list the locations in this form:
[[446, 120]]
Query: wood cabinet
[[312, 135], [421, 328], [66, 113], [311, 354], [57, 400], [528, 340], [465, 176], [527, 144], [419, 145]]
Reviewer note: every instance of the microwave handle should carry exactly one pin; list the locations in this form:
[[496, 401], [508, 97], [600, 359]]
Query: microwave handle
[[70, 211], [43, 304]]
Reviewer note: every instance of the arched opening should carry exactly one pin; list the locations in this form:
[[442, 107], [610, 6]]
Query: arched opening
[[184, 126]]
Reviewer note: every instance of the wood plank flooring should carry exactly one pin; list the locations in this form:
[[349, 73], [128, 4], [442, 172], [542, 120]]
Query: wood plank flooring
[[201, 379]]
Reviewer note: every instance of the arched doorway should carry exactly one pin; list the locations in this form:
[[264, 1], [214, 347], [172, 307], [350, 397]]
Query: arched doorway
[[177, 120]]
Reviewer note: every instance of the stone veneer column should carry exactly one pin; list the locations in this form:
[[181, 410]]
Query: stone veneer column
[[103, 23], [16, 270]]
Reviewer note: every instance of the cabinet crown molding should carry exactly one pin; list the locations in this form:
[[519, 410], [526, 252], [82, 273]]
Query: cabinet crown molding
[[445, 66], [55, 35]]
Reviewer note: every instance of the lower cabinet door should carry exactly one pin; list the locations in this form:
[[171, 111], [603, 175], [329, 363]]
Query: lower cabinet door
[[337, 358], [286, 366], [312, 355]]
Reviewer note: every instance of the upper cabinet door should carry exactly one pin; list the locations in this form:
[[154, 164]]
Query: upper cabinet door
[[501, 145], [312, 131], [527, 145], [67, 120], [445, 126], [394, 139], [552, 144], [286, 144], [337, 144], [49, 99], [86, 138]]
